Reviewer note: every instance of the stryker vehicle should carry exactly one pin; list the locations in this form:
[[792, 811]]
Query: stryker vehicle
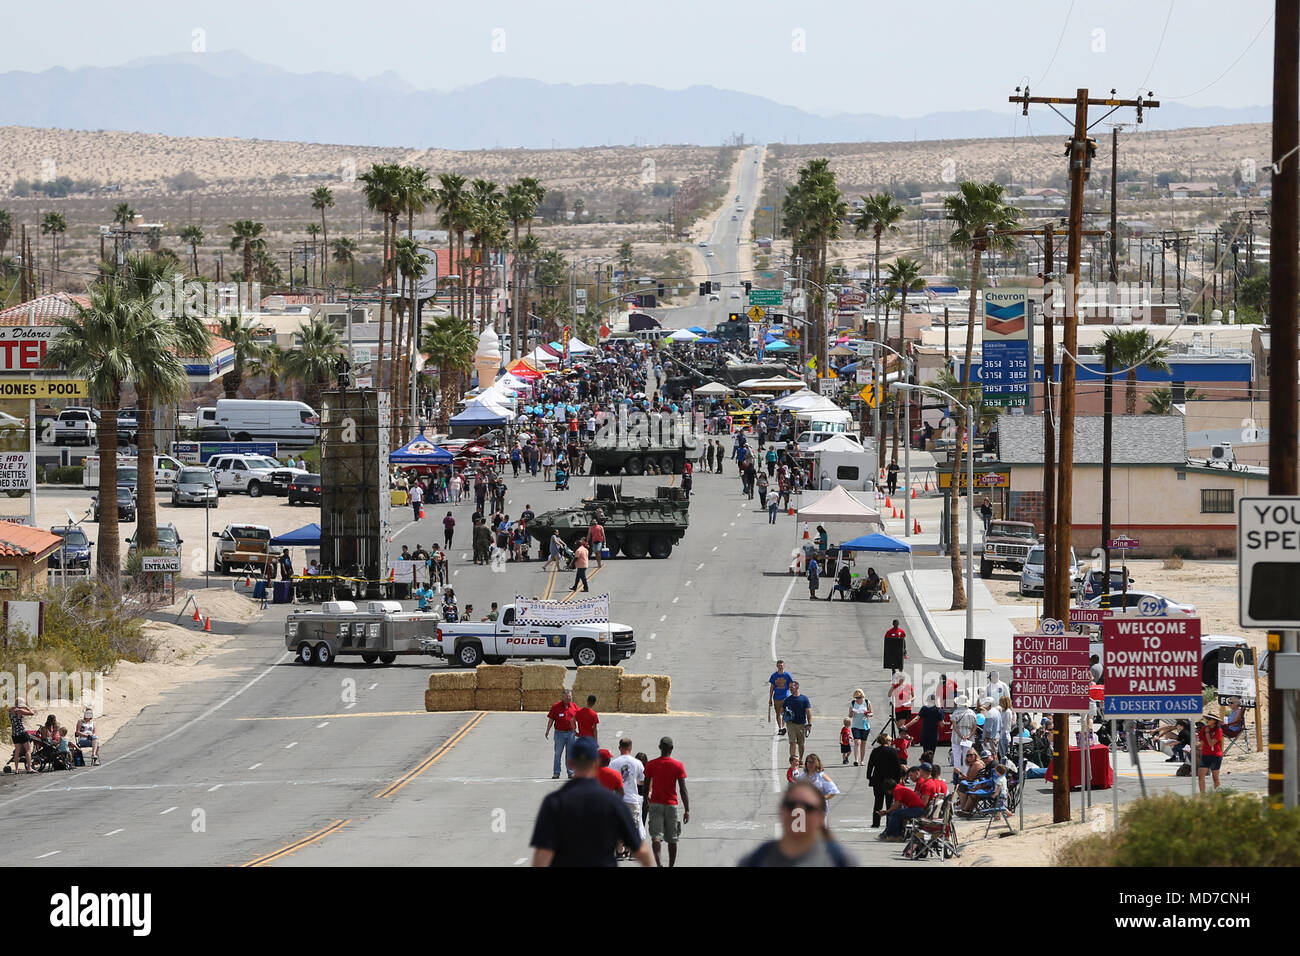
[[655, 448], [634, 527]]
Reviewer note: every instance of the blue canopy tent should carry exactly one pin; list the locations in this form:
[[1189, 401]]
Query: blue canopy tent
[[420, 451], [877, 541], [777, 346], [476, 418], [308, 536], [705, 340], [697, 330]]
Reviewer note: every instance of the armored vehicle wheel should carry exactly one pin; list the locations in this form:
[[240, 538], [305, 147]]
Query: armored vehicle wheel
[[667, 466], [323, 654], [370, 658], [612, 542], [636, 545], [306, 655], [387, 658], [660, 546], [634, 465]]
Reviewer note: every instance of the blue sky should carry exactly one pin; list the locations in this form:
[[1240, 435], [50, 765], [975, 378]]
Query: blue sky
[[866, 56]]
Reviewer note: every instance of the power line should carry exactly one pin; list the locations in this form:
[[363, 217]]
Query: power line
[[1059, 39], [1159, 45]]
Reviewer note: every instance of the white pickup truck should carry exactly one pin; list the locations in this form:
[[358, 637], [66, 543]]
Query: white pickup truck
[[470, 644]]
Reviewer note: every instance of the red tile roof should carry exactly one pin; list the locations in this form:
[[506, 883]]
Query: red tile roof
[[17, 540], [47, 309]]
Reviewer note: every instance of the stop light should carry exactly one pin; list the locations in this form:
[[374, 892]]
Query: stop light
[[748, 286], [704, 288], [733, 316]]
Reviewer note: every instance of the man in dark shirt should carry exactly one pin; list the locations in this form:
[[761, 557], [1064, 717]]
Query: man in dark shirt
[[582, 823]]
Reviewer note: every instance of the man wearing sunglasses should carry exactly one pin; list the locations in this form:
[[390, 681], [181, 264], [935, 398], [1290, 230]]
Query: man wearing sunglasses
[[804, 840]]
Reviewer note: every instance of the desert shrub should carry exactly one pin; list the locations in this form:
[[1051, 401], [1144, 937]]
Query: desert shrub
[[65, 474], [1183, 551], [1218, 829], [1173, 563]]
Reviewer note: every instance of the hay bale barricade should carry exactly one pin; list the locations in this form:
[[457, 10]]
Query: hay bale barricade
[[500, 677], [548, 677], [497, 698], [633, 689], [600, 680], [453, 680], [540, 701], [441, 701]]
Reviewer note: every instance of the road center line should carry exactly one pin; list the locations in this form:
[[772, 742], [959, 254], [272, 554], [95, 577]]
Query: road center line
[[291, 746], [114, 832], [167, 811], [256, 765], [434, 757]]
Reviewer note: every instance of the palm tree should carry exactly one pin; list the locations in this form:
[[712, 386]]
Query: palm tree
[[879, 214], [248, 237], [382, 187], [6, 230], [54, 225], [313, 231], [813, 210], [270, 361], [981, 219], [322, 198], [96, 344], [123, 214], [489, 224], [453, 204], [192, 236], [528, 251], [239, 332], [314, 360], [417, 194], [345, 251], [904, 275], [412, 265], [1161, 400], [449, 343], [519, 207], [535, 191], [1134, 348]]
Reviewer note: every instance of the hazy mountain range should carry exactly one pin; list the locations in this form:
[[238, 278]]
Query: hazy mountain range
[[229, 94]]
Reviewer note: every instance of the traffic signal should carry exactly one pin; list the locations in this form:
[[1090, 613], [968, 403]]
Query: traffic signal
[[733, 316], [748, 286], [704, 288]]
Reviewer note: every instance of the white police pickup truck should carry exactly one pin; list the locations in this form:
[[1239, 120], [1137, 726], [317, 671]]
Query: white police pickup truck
[[470, 644]]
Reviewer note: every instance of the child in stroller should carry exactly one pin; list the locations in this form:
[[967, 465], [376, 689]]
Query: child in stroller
[[561, 478], [52, 753]]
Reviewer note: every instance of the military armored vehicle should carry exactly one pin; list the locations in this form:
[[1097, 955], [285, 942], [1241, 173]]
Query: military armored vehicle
[[634, 527]]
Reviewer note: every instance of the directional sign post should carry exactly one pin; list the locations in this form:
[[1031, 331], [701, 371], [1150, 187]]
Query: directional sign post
[[1152, 662], [1049, 670], [1123, 543]]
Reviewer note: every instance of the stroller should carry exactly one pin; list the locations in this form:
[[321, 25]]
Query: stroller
[[934, 833], [561, 479], [46, 756]]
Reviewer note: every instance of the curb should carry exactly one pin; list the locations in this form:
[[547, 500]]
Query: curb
[[928, 621]]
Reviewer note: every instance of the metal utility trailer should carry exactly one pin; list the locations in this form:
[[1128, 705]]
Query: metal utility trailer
[[378, 634]]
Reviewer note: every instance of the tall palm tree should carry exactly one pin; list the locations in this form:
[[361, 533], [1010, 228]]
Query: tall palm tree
[[382, 187], [528, 251], [487, 218], [96, 344], [270, 361], [879, 214], [412, 266], [534, 190], [1135, 348], [417, 193], [1161, 400], [322, 198], [239, 331], [453, 201], [313, 231], [345, 251], [519, 207], [247, 237], [54, 225], [192, 236], [449, 343], [814, 210], [123, 214], [904, 276], [981, 218], [6, 230], [313, 361]]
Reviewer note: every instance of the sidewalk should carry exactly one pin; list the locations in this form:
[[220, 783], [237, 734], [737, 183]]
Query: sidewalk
[[931, 591]]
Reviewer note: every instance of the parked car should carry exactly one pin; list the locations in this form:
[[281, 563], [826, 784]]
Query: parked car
[[214, 433], [1133, 598], [76, 548], [1093, 581], [128, 426], [290, 424], [1031, 576], [196, 486], [169, 540], [305, 488], [76, 426], [125, 504]]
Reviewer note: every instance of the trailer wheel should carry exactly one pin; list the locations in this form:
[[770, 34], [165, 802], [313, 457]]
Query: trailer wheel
[[305, 654], [584, 654], [387, 658], [634, 466], [323, 654], [469, 654], [668, 466], [369, 658], [660, 546]]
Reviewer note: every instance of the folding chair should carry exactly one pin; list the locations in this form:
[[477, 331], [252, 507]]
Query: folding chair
[[996, 809], [933, 833], [1235, 733]]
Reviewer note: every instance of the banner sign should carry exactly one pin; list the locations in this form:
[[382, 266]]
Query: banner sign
[[1005, 366], [167, 563], [539, 613], [409, 572], [1049, 670], [199, 453], [1237, 675], [1152, 664], [17, 471]]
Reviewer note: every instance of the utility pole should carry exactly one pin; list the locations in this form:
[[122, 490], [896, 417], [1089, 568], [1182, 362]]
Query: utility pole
[[1284, 288], [1057, 601], [1114, 192], [1106, 455], [1049, 425]]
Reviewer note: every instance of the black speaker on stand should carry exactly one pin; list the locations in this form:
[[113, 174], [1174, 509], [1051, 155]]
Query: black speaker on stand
[[894, 653], [972, 654]]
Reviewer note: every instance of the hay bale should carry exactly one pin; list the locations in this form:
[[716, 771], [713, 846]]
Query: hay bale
[[544, 677], [497, 699], [500, 677], [599, 680], [448, 700], [540, 701], [453, 680], [634, 688]]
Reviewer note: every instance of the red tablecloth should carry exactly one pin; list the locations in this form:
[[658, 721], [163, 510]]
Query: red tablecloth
[[1100, 775]]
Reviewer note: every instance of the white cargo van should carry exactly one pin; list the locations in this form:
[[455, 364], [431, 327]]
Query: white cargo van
[[291, 424], [165, 470]]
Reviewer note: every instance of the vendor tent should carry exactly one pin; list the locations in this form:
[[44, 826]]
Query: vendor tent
[[799, 399], [420, 451], [778, 346], [699, 331], [707, 340], [839, 505], [769, 384], [541, 356], [713, 388], [683, 335], [577, 347], [877, 541], [308, 536], [833, 414], [524, 369], [838, 443], [477, 413]]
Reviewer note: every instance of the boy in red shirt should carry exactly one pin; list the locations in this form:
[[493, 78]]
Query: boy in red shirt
[[930, 784], [901, 742], [846, 740], [607, 776], [587, 719]]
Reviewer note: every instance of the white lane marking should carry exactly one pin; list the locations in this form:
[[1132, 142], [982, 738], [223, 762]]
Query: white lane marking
[[167, 811], [51, 853], [456, 572], [291, 746], [323, 723], [715, 547], [662, 618], [403, 528], [211, 789], [523, 859], [701, 567], [373, 686], [652, 635], [687, 584], [114, 832], [256, 765], [738, 514], [675, 600], [465, 556], [648, 656], [724, 534], [350, 706]]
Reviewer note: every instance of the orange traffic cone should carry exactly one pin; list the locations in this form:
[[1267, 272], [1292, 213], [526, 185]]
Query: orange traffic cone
[[791, 511], [913, 494], [197, 618], [916, 527], [248, 581], [806, 535], [207, 624], [888, 503]]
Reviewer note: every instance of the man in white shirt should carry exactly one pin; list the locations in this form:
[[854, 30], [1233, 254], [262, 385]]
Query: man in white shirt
[[996, 688], [633, 773]]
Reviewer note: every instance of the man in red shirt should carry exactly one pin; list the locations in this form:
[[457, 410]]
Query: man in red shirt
[[586, 719], [562, 716], [607, 776], [664, 776], [907, 805], [930, 784]]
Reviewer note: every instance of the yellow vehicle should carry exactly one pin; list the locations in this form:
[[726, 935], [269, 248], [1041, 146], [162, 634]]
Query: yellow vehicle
[[742, 416]]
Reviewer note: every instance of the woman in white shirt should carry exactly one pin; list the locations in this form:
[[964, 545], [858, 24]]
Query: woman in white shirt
[[812, 772]]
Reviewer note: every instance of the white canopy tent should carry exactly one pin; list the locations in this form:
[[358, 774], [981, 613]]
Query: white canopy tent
[[713, 388], [839, 505], [683, 335], [577, 347], [538, 355], [769, 384], [832, 414], [797, 400]]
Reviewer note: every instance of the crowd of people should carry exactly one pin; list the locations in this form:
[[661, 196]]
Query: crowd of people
[[50, 738]]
